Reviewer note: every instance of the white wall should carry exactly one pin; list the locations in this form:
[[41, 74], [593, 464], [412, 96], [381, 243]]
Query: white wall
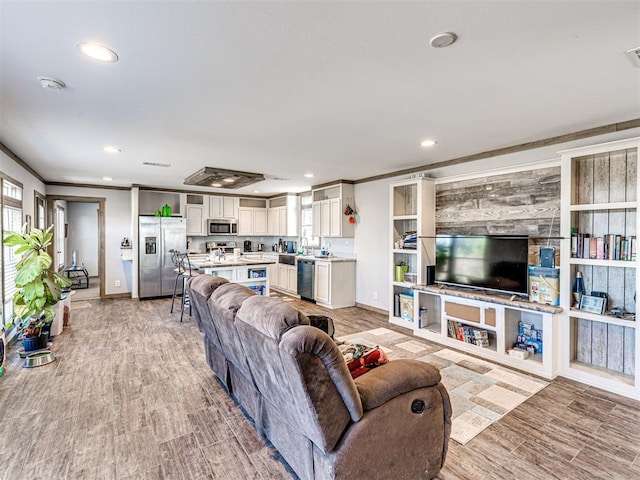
[[118, 224], [83, 235]]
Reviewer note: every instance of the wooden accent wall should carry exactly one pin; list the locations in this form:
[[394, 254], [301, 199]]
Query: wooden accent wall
[[520, 203]]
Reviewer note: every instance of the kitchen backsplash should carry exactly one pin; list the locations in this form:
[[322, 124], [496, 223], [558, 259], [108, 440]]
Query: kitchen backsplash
[[341, 247]]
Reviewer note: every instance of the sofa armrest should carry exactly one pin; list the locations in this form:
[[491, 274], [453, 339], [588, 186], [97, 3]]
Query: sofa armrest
[[393, 379]]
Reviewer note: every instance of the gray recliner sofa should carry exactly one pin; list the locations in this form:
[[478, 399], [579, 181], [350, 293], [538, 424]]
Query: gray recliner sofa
[[392, 422]]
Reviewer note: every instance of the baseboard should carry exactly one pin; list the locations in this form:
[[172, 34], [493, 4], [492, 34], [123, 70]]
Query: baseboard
[[372, 309], [118, 295]]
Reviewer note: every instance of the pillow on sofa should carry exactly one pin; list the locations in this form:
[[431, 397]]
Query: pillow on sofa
[[361, 358]]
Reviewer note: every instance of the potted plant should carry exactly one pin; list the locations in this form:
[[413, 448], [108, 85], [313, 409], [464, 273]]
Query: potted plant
[[39, 287]]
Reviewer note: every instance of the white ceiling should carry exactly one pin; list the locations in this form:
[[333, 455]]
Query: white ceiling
[[345, 90]]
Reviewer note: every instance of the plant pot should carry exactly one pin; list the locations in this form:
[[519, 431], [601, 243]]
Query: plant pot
[[35, 343]]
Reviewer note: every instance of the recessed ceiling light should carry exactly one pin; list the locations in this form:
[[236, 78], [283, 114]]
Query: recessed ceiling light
[[256, 191], [309, 175], [428, 143], [229, 180], [97, 52], [111, 149], [443, 39], [217, 185], [107, 179]]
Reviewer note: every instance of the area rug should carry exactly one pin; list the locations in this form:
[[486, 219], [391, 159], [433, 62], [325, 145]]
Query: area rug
[[481, 392]]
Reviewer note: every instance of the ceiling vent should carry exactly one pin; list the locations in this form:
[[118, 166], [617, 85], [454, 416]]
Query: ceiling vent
[[634, 56], [219, 178], [155, 164]]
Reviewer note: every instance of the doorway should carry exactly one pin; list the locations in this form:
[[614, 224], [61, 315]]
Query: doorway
[[79, 226]]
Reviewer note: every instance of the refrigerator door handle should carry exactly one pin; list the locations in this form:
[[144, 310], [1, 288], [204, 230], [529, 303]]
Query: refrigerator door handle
[[161, 251]]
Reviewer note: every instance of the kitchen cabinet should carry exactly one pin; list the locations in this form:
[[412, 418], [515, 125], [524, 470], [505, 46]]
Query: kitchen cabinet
[[196, 220], [329, 204], [288, 278], [223, 207], [335, 283], [252, 221], [599, 199], [283, 216]]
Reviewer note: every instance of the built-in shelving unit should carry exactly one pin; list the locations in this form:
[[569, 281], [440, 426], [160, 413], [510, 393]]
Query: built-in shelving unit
[[599, 197], [412, 210], [438, 309]]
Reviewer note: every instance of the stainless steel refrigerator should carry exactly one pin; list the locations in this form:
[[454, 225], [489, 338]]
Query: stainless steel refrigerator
[[158, 236]]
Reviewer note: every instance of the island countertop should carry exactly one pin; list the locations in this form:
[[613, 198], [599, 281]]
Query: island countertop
[[204, 261]]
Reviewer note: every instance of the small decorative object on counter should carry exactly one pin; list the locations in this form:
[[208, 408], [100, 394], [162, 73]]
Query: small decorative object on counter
[[166, 210], [125, 243], [578, 289]]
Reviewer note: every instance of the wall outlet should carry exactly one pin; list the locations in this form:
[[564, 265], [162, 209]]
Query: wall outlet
[[375, 295], [117, 283]]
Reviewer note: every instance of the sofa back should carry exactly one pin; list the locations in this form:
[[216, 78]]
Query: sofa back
[[223, 306], [200, 288], [298, 369]]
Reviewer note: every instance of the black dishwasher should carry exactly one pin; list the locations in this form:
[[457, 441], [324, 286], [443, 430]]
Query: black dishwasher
[[306, 272]]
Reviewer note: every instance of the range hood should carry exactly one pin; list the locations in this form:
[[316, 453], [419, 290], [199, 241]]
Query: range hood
[[220, 178]]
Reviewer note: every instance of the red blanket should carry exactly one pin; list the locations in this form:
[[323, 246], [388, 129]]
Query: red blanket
[[362, 358]]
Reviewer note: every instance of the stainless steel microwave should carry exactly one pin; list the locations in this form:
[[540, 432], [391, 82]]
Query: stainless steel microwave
[[222, 226]]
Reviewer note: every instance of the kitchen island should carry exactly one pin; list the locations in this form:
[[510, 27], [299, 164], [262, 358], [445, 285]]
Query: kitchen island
[[253, 273]]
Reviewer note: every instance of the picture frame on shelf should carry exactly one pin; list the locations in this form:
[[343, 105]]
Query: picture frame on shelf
[[592, 304]]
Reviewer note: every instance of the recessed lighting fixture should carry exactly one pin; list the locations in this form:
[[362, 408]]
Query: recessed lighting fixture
[[97, 52], [107, 179], [443, 39], [229, 180], [428, 143], [309, 175], [51, 83], [111, 149], [217, 185], [256, 191]]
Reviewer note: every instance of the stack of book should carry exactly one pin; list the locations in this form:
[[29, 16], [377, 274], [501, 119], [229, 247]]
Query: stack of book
[[607, 247], [467, 334]]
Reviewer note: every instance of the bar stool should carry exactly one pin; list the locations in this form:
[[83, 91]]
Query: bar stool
[[184, 271]]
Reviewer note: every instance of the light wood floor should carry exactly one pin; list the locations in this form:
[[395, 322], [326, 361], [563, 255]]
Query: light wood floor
[[131, 397]]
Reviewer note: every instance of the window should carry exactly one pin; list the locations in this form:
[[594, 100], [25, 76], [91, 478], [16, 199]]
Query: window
[[11, 201]]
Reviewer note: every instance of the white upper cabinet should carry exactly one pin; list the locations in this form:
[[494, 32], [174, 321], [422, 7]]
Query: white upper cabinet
[[284, 215], [223, 207], [329, 206]]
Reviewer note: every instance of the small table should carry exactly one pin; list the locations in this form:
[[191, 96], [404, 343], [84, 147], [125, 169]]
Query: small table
[[78, 275]]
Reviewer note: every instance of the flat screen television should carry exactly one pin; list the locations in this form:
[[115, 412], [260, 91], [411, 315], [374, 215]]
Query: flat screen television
[[496, 263]]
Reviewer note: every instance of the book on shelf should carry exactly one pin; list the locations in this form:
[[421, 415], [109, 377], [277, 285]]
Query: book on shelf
[[607, 247]]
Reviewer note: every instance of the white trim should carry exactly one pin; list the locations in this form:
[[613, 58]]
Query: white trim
[[600, 147], [537, 165]]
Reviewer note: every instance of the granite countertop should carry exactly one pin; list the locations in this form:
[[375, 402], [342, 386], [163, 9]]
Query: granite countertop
[[326, 258], [497, 298], [203, 261], [329, 258]]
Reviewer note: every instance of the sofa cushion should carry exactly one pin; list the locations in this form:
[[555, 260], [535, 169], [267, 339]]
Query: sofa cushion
[[393, 379], [275, 316]]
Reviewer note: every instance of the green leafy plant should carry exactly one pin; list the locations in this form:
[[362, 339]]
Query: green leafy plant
[[39, 286]]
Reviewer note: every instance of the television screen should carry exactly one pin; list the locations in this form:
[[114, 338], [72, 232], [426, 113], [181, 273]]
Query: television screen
[[489, 262]]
